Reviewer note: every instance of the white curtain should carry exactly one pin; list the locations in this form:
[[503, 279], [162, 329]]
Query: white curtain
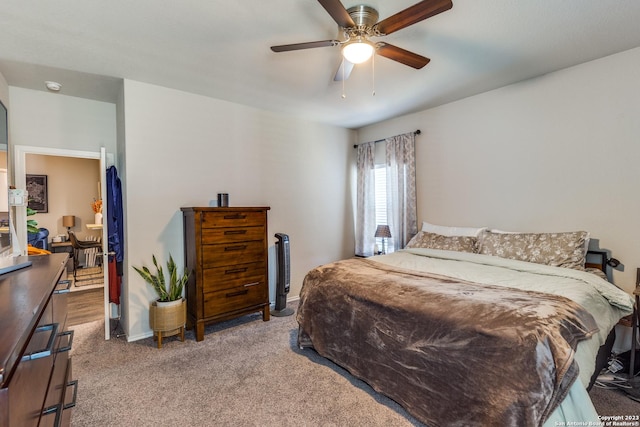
[[365, 209], [401, 189]]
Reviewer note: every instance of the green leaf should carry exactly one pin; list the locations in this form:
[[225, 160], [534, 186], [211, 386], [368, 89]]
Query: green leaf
[[171, 291]]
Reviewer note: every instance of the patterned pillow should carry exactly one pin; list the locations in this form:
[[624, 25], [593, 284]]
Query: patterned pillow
[[555, 249], [449, 243]]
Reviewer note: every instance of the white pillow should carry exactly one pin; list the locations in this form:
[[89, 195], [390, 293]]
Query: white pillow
[[452, 231]]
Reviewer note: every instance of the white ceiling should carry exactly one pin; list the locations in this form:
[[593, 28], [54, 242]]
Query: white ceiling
[[221, 49]]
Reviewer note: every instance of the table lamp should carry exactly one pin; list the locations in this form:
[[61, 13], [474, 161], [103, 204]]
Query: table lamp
[[384, 232], [68, 221]]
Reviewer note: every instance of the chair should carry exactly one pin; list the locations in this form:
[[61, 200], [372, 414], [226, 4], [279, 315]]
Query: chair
[[79, 245], [40, 239]]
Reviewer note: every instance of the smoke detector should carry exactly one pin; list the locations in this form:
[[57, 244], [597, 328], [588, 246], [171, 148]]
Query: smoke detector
[[53, 86]]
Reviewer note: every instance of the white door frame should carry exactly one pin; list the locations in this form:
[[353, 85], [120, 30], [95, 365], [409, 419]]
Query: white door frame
[[20, 181]]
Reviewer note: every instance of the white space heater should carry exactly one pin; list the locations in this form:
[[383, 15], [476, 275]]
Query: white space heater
[[284, 276]]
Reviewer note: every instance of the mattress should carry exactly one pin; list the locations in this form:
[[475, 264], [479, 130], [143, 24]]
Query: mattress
[[598, 304]]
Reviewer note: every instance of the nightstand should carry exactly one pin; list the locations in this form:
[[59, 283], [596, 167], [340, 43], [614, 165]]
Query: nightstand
[[635, 318]]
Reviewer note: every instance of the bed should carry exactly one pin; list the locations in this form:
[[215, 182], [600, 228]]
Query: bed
[[487, 328]]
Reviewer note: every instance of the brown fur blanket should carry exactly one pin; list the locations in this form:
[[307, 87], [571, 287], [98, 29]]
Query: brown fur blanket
[[452, 353]]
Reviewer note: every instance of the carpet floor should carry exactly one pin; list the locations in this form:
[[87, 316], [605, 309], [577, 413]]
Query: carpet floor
[[246, 372]]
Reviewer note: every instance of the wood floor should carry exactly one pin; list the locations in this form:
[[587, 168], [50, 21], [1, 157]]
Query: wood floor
[[85, 306]]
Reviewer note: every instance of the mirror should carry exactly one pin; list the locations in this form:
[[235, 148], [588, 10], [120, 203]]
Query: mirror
[[5, 234]]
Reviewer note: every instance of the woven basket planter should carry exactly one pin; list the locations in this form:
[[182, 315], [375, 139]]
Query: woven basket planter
[[167, 319]]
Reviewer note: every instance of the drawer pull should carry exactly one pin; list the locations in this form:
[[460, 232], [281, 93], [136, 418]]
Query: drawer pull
[[235, 248], [64, 290], [235, 216], [68, 346], [58, 408], [228, 232], [48, 351], [236, 270], [238, 293], [251, 284], [73, 384], [55, 409]]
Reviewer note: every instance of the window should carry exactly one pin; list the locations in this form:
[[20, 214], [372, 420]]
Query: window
[[381, 205]]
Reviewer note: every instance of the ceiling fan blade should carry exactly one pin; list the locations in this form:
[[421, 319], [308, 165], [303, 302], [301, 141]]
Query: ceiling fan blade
[[338, 12], [308, 45], [416, 13], [344, 70], [400, 55]]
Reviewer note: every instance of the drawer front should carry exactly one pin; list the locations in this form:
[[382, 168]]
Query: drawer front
[[232, 253], [58, 382], [232, 219], [30, 381], [230, 235], [231, 276], [221, 302]]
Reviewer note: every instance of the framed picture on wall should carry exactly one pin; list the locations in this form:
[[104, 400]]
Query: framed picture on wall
[[37, 188]]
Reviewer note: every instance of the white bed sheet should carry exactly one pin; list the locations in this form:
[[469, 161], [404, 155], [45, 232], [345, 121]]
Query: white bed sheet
[[606, 303]]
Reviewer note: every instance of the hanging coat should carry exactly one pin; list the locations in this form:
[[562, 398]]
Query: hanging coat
[[115, 233]]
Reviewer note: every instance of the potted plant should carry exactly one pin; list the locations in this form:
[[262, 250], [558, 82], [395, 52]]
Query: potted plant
[[168, 313], [32, 224]]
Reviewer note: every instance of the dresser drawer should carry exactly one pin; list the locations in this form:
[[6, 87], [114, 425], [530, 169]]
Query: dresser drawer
[[230, 235], [232, 253], [58, 383], [221, 302], [232, 219], [231, 276], [31, 378]]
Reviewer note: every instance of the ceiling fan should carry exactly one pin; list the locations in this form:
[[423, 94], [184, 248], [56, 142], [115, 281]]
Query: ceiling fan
[[359, 24]]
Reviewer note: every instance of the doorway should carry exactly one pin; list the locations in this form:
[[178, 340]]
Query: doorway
[[89, 185], [72, 190]]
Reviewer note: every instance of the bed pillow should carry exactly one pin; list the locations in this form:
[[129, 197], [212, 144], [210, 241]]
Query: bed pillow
[[452, 231], [555, 249], [448, 243], [586, 241]]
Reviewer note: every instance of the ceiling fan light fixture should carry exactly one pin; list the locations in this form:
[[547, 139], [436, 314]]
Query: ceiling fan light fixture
[[358, 51]]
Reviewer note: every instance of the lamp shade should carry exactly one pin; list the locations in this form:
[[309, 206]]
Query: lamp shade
[[357, 51], [68, 221], [383, 231]]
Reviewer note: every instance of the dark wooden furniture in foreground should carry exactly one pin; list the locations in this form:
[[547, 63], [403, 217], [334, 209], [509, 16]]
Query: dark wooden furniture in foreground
[[226, 255], [35, 367], [62, 247]]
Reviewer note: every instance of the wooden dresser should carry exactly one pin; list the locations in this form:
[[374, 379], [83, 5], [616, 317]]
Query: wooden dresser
[[35, 366], [226, 255]]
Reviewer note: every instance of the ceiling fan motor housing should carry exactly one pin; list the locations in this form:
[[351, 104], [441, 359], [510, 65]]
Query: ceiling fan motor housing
[[363, 16]]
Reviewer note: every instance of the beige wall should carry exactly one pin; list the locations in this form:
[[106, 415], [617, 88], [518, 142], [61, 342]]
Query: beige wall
[[182, 149], [42, 119], [559, 152], [179, 149], [72, 186]]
